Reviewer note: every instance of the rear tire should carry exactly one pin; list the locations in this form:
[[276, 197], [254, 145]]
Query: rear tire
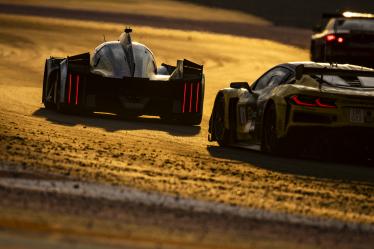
[[270, 142], [46, 99], [221, 134], [60, 107]]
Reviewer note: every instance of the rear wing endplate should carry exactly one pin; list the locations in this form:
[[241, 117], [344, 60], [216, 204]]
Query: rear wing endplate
[[187, 69]]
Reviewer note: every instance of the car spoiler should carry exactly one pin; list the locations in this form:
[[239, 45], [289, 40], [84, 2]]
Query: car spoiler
[[348, 14], [187, 65], [302, 70], [186, 69]]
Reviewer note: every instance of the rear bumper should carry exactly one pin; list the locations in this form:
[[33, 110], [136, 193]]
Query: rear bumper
[[330, 121], [133, 95]]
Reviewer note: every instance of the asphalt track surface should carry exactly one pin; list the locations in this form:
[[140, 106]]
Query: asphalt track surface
[[51, 163]]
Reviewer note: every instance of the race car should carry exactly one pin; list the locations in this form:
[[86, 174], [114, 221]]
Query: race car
[[121, 77], [296, 104], [344, 38]]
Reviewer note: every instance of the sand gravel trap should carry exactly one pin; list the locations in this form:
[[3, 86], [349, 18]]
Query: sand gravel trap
[[160, 158]]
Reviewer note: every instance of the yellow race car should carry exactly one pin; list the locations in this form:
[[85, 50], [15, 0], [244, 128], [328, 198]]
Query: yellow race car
[[295, 105]]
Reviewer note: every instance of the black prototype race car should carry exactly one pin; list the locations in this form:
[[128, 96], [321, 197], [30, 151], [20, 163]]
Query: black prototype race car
[[344, 38], [121, 77]]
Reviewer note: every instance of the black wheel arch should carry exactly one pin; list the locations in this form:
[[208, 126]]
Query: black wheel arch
[[232, 115]]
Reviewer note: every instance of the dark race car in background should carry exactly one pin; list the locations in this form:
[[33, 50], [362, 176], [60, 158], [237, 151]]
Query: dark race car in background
[[294, 106], [344, 38], [121, 77]]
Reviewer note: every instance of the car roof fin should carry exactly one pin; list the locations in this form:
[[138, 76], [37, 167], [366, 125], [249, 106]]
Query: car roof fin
[[126, 41]]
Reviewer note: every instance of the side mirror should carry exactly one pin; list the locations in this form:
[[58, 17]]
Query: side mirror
[[239, 85]]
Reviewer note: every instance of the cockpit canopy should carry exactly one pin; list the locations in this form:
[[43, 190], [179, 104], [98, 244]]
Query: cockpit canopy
[[113, 59]]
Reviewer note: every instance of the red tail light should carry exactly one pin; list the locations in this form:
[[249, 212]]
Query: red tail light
[[197, 96], [334, 38], [191, 95], [330, 38], [77, 90], [340, 39], [310, 101], [69, 91], [184, 97]]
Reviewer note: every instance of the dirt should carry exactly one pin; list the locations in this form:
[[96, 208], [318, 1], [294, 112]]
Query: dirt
[[149, 155], [224, 23]]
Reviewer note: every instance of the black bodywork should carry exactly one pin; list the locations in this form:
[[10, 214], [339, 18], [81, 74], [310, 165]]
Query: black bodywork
[[351, 45], [176, 99]]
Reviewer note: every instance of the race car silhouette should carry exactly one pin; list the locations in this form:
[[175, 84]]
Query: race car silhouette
[[121, 77], [294, 105], [344, 38]]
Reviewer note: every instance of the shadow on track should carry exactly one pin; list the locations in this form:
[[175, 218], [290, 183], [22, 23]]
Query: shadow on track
[[113, 123], [322, 168]]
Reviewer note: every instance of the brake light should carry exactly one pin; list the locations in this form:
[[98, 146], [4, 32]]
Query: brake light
[[303, 102], [184, 97], [334, 38], [69, 91], [312, 101], [330, 38]]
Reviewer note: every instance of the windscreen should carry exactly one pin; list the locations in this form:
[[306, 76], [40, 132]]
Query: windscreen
[[110, 61], [355, 24]]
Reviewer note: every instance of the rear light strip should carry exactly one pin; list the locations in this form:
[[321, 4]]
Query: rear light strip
[[77, 90], [184, 97], [69, 92], [331, 38], [191, 94], [73, 83], [197, 96], [191, 86], [315, 102]]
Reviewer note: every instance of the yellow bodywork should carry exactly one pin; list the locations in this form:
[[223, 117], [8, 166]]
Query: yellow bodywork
[[346, 100]]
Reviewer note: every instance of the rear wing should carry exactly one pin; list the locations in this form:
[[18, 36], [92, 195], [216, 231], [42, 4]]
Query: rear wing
[[186, 69], [302, 70], [348, 14]]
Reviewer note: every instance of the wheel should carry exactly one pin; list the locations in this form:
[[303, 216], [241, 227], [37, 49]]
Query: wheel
[[47, 98], [49, 106], [270, 142], [221, 134], [59, 106]]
